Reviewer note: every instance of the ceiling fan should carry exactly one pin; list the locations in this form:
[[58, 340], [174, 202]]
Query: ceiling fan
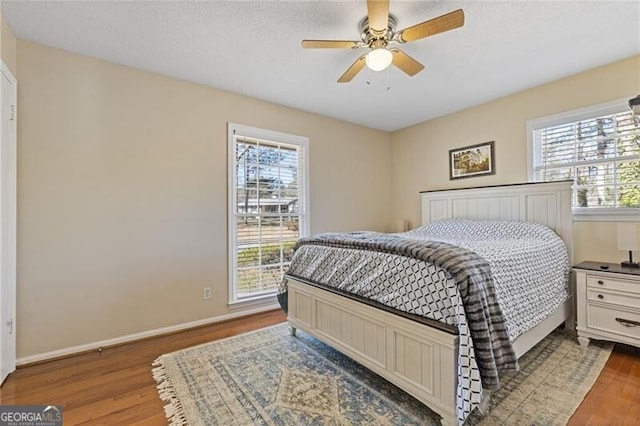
[[378, 31]]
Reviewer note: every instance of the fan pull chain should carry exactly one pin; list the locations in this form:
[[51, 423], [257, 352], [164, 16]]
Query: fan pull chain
[[388, 85]]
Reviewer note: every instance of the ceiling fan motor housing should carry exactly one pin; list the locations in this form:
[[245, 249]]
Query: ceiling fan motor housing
[[375, 39]]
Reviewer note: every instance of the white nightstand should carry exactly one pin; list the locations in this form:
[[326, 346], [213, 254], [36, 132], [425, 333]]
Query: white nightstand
[[608, 303]]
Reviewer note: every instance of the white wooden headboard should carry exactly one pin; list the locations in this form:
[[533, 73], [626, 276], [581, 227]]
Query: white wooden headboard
[[548, 203]]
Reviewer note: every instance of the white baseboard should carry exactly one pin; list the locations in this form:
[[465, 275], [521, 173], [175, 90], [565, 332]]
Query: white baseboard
[[137, 336]]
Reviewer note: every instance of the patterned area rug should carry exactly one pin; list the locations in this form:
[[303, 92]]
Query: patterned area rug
[[268, 377]]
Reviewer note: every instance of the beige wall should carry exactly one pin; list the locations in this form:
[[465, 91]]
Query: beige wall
[[420, 152], [8, 46], [122, 183]]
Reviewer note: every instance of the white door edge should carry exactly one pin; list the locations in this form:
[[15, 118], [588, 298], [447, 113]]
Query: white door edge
[[8, 222]]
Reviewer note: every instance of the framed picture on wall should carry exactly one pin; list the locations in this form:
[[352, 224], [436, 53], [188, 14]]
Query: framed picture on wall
[[473, 160]]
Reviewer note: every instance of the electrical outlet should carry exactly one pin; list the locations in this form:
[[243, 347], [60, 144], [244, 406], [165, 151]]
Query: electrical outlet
[[206, 294]]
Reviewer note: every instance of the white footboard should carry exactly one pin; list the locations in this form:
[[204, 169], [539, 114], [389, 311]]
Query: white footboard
[[417, 358]]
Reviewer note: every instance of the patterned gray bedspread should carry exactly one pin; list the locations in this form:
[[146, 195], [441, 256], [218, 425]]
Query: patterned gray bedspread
[[528, 275], [472, 274]]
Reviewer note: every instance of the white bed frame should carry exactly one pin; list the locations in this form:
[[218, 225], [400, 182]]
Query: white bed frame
[[420, 359]]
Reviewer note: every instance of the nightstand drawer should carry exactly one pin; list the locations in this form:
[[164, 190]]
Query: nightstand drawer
[[614, 298], [598, 281], [613, 321]]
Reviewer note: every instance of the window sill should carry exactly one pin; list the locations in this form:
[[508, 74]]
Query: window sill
[[253, 302], [606, 215]]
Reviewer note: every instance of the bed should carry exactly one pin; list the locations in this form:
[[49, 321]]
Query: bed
[[427, 357]]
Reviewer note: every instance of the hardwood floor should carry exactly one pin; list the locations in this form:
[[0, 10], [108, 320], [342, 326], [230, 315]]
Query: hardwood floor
[[115, 387], [615, 397]]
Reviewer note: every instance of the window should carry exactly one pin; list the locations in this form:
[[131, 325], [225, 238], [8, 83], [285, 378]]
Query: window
[[599, 149], [268, 208]]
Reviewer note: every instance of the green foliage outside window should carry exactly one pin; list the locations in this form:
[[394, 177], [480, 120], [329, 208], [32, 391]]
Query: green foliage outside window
[[270, 254]]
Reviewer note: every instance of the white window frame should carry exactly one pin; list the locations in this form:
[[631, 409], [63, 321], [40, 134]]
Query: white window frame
[[304, 206], [606, 108]]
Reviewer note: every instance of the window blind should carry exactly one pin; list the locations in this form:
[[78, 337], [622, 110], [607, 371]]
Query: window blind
[[601, 155], [268, 211]]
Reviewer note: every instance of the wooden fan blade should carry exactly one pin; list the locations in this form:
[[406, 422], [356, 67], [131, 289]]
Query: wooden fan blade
[[406, 63], [353, 70], [378, 11], [437, 25], [330, 44]]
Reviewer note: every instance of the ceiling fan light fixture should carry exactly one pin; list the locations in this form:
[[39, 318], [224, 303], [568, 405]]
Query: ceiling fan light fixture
[[379, 59]]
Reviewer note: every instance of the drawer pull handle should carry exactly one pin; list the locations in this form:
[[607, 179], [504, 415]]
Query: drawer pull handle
[[600, 282], [600, 296], [628, 323]]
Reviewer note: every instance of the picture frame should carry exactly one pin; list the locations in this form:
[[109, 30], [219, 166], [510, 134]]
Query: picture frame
[[473, 160]]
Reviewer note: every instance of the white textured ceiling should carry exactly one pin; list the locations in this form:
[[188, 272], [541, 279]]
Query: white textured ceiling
[[253, 48]]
